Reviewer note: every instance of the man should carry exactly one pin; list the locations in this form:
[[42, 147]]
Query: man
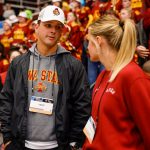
[[143, 28], [21, 29], [45, 102]]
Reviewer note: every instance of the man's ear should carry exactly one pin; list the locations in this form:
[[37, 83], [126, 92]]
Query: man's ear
[[36, 26]]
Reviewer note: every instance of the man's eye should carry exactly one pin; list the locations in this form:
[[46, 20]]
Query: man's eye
[[48, 25], [59, 27]]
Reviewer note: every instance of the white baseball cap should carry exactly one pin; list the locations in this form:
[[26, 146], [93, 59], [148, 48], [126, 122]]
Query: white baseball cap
[[52, 12], [56, 1], [23, 14], [13, 18]]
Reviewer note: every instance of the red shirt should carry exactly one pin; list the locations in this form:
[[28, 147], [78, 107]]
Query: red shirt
[[76, 35], [4, 64], [6, 39], [20, 33], [122, 108]]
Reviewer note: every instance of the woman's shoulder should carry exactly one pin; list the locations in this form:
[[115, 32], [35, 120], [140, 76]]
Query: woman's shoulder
[[132, 69], [131, 73]]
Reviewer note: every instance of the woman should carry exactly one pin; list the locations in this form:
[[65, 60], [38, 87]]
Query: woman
[[121, 97], [12, 54], [7, 37], [125, 13]]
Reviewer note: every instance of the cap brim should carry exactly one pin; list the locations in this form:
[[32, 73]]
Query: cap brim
[[52, 19]]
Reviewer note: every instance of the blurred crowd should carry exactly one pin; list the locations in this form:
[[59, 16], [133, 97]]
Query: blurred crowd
[[18, 33]]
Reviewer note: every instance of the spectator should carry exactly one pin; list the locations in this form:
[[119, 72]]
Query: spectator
[[8, 11], [23, 48], [3, 61], [136, 9], [53, 79], [121, 97], [14, 20], [143, 48], [12, 54], [31, 38], [125, 13], [57, 3], [6, 38], [21, 30]]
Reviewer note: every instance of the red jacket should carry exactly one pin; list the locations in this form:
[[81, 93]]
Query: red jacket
[[20, 33], [124, 109], [6, 39]]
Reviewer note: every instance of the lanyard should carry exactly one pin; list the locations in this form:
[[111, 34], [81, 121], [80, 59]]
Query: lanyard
[[100, 99], [52, 77]]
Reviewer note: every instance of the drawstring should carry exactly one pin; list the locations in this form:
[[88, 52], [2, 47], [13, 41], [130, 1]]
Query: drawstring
[[39, 67]]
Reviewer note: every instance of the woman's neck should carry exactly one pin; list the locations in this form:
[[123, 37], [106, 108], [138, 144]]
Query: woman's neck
[[109, 60]]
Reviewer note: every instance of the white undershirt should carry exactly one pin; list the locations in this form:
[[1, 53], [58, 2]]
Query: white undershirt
[[41, 145]]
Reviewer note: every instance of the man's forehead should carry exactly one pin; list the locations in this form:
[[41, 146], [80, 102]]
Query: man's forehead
[[53, 22]]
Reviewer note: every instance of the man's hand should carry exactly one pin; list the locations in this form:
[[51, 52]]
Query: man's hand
[[142, 51]]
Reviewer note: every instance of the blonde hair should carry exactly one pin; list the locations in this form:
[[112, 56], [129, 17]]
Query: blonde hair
[[121, 36]]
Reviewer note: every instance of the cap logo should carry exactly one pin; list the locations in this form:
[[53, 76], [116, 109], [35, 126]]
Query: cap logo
[[56, 12]]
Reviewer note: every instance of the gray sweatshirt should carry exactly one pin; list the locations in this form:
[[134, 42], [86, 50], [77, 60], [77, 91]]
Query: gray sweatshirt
[[41, 127]]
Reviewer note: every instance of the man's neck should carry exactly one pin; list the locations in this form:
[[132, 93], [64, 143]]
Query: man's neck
[[46, 51]]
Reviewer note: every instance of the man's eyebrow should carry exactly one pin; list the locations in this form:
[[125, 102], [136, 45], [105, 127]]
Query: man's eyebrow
[[59, 24]]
